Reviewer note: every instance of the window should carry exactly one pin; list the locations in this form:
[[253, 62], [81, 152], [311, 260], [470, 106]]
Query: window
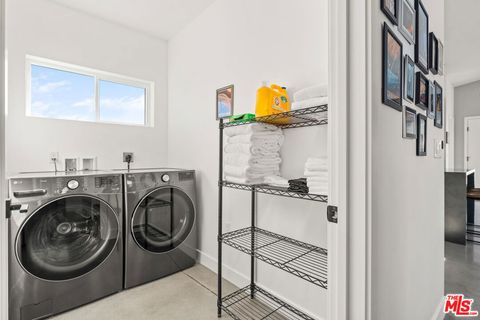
[[61, 91]]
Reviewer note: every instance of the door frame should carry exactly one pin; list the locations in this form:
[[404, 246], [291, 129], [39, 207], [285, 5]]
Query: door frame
[[465, 139], [349, 81], [3, 221]]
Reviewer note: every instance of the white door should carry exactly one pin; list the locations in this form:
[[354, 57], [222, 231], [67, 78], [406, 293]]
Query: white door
[[472, 146]]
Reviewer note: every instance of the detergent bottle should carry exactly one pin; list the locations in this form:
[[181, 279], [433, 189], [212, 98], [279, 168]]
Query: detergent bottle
[[271, 100]]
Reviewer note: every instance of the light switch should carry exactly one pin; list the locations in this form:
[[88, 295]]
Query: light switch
[[438, 148]]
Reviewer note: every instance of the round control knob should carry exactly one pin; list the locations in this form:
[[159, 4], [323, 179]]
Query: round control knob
[[165, 178], [72, 184]]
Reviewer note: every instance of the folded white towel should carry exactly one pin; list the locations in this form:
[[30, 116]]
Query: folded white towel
[[316, 173], [320, 191], [313, 102], [316, 164], [250, 128], [317, 179], [242, 159], [320, 90], [317, 184], [276, 181], [251, 172], [267, 150], [258, 140], [248, 181]]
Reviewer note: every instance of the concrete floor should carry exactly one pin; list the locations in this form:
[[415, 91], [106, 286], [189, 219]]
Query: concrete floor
[[462, 271], [190, 294]]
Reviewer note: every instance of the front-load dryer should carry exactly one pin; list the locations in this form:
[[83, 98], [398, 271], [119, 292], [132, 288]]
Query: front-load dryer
[[160, 224], [65, 241]]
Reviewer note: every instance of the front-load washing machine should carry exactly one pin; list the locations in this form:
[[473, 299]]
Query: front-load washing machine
[[65, 241], [160, 224]]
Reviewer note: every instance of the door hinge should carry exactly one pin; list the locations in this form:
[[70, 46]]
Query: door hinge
[[8, 208], [446, 137], [468, 159], [332, 214], [468, 129]]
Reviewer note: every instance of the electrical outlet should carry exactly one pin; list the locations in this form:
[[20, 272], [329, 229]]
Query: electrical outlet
[[53, 156], [127, 155]]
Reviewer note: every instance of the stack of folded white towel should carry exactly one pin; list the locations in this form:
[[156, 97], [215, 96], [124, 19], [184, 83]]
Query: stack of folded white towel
[[252, 152], [310, 97], [316, 172]]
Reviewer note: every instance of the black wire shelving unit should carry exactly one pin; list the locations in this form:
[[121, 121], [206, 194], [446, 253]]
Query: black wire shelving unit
[[293, 119], [301, 259]]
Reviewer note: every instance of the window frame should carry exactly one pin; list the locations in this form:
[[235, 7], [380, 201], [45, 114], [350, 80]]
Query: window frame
[[98, 75]]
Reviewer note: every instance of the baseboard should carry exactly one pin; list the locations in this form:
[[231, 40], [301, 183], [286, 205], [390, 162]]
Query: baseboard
[[240, 280], [438, 315], [237, 278]]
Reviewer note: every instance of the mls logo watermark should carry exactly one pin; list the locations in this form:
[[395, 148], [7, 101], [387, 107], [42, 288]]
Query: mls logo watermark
[[459, 306]]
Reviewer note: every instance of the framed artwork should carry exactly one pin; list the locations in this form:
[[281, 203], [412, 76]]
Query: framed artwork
[[433, 54], [440, 57], [421, 39], [407, 20], [421, 135], [225, 102], [421, 94], [438, 106], [409, 74], [431, 100], [409, 123], [390, 9], [392, 69]]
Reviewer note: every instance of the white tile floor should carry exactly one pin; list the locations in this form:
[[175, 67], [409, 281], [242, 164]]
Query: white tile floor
[[186, 295]]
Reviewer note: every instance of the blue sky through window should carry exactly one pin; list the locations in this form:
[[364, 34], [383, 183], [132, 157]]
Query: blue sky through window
[[62, 95], [67, 95], [121, 103]]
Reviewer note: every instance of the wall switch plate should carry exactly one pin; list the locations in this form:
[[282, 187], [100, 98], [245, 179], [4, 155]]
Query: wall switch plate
[[438, 148], [126, 155]]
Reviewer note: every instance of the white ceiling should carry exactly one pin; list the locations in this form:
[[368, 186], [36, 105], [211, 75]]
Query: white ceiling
[[462, 41], [159, 18]]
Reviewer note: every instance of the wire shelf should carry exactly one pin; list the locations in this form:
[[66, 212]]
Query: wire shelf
[[240, 306], [292, 119], [283, 192], [298, 258]]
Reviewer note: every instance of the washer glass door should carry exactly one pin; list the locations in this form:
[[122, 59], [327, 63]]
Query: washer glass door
[[163, 219], [67, 238]]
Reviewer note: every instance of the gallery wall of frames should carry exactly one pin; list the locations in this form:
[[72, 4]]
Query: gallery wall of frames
[[407, 84]]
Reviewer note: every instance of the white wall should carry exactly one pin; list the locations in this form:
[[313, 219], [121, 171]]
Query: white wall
[[245, 42], [407, 246], [42, 28], [466, 105]]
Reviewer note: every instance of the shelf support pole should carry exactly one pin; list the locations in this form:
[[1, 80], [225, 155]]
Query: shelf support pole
[[220, 220], [252, 258]]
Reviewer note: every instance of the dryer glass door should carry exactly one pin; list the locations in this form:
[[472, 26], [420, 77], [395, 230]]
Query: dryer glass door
[[67, 238], [163, 220]]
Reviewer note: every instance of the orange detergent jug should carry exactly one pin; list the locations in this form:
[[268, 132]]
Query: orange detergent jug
[[271, 100]]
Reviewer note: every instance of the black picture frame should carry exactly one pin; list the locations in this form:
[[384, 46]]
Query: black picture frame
[[421, 135], [422, 37], [407, 23], [431, 100], [438, 122], [409, 127], [439, 57], [433, 54], [386, 6], [421, 91], [228, 93], [409, 76], [392, 75]]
